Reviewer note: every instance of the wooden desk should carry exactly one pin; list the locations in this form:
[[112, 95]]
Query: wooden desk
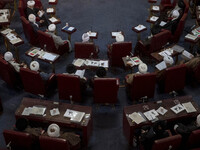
[[55, 22], [65, 29], [116, 32], [53, 3], [39, 56], [170, 116], [138, 32], [85, 126], [92, 37], [51, 13]]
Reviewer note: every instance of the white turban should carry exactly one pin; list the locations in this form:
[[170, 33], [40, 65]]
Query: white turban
[[168, 60], [34, 65], [8, 56], [85, 37], [119, 38], [198, 120], [142, 68], [52, 27], [32, 18], [175, 14], [53, 130], [31, 3]]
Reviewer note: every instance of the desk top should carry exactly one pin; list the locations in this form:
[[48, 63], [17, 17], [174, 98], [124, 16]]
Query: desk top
[[139, 28], [50, 11], [167, 104], [59, 119], [114, 33], [66, 29], [54, 20], [53, 2]]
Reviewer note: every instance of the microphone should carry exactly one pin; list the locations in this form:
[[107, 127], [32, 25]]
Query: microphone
[[131, 54], [91, 55]]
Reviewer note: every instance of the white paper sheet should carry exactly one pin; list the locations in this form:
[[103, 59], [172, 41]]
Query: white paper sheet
[[92, 34], [103, 63], [49, 56], [178, 48], [161, 110], [156, 8], [116, 33], [136, 117], [154, 18], [50, 10], [54, 112], [177, 108], [162, 23], [71, 28], [187, 55], [6, 31], [53, 19], [140, 27], [80, 73], [189, 107], [162, 65], [79, 62], [191, 37]]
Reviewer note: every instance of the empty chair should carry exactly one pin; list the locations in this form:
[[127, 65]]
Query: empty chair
[[50, 143], [154, 44], [193, 140], [18, 140], [47, 42], [106, 90], [143, 85], [168, 143], [173, 79], [34, 84], [85, 50], [117, 51], [8, 73], [69, 85]]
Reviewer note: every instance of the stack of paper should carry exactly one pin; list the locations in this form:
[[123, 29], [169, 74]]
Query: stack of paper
[[11, 36], [161, 110], [186, 55], [191, 37], [162, 23], [156, 8], [79, 62], [178, 48], [80, 73], [136, 117], [151, 114], [140, 27], [177, 108], [75, 116], [189, 107], [6, 31], [162, 65], [154, 18], [53, 19], [34, 110], [49, 56]]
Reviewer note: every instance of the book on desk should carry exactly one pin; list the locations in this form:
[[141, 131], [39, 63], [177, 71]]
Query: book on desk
[[67, 28]]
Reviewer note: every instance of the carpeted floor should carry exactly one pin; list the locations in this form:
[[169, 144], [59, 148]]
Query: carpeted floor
[[104, 17]]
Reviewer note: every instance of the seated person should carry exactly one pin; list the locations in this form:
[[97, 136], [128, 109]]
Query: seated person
[[142, 70], [35, 66], [54, 131], [119, 38], [22, 125], [185, 130], [57, 39], [38, 13], [8, 56], [151, 133], [85, 38]]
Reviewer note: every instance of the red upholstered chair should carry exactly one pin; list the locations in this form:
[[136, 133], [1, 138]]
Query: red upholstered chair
[[194, 74], [173, 79], [46, 39], [30, 35], [106, 90], [69, 85], [85, 50], [1, 106], [142, 85], [156, 43], [22, 8], [118, 50], [193, 140], [8, 73], [49, 143], [168, 143], [166, 5], [18, 140], [34, 84]]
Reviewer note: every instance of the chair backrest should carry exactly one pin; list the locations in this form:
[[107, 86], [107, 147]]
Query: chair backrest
[[186, 6], [168, 143], [8, 73], [106, 90], [175, 78], [30, 35], [38, 4], [49, 143], [32, 81], [46, 39], [193, 140], [84, 50], [18, 140], [119, 50], [159, 40], [143, 85], [22, 8], [69, 85]]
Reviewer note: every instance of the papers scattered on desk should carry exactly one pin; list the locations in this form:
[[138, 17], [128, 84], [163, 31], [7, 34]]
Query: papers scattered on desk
[[151, 115], [135, 61], [53, 19], [54, 112], [177, 108], [34, 110], [136, 117], [116, 33], [15, 41], [52, 1], [68, 28], [49, 56], [167, 52], [6, 31], [103, 63], [11, 36], [34, 51], [178, 48], [140, 27], [79, 62], [75, 116], [189, 107], [3, 18], [161, 110], [71, 28], [162, 65], [156, 8], [92, 34], [50, 10], [80, 73], [162, 23], [93, 63], [186, 55], [191, 37], [154, 18]]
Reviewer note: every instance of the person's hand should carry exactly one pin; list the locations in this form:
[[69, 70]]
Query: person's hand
[[41, 21]]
